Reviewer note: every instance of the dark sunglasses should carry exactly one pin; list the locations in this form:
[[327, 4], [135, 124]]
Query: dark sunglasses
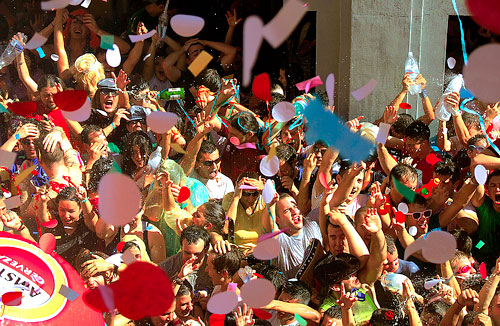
[[110, 92], [464, 269], [418, 215], [318, 150], [250, 193], [210, 163], [27, 141]]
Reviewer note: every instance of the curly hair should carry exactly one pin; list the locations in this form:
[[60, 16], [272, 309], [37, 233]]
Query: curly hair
[[89, 72], [141, 140]]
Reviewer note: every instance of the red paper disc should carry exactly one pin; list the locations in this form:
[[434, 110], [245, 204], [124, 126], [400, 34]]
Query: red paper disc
[[432, 159], [184, 194], [50, 224], [70, 100], [217, 320], [24, 109], [485, 13], [261, 87], [322, 180], [483, 271], [47, 242], [400, 217], [405, 106], [119, 246]]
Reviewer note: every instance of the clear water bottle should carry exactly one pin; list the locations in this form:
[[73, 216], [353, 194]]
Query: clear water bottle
[[13, 49], [155, 158], [393, 281], [443, 109], [172, 94], [411, 67]]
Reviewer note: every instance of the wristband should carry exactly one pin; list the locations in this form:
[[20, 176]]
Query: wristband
[[22, 227], [113, 125], [18, 136], [455, 113], [424, 94], [85, 200]]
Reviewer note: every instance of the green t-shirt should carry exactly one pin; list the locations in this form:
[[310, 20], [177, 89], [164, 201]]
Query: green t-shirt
[[362, 310], [488, 231]]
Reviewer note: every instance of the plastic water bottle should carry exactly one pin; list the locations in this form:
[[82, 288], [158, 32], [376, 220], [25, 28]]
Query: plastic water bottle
[[411, 67], [13, 49], [393, 281], [155, 158], [171, 94], [443, 109]]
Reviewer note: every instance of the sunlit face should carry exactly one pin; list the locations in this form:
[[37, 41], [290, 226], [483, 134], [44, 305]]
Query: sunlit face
[[445, 182], [319, 151], [199, 217], [167, 317], [47, 97], [95, 281], [418, 216], [351, 283], [193, 250], [463, 270], [286, 169], [391, 264], [356, 189], [337, 240], [494, 191], [217, 278], [159, 72], [328, 321], [477, 148], [28, 145], [109, 100], [135, 252], [3, 207], [78, 29], [183, 306], [284, 317], [208, 165], [292, 137], [138, 157], [494, 311], [362, 231], [415, 148], [412, 184], [69, 211], [136, 125], [288, 215]]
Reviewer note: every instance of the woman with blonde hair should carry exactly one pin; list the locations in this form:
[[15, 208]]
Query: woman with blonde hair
[[87, 73]]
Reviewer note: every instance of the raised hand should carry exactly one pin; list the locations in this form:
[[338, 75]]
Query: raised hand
[[244, 317], [95, 266], [51, 141], [372, 221], [376, 198], [336, 217], [347, 300], [189, 266], [222, 247], [203, 127], [468, 297], [164, 179], [11, 220], [91, 24], [28, 130], [310, 163], [354, 124], [232, 19], [119, 115], [407, 82], [81, 193], [96, 151], [122, 80], [453, 99], [421, 80], [141, 29], [390, 114]]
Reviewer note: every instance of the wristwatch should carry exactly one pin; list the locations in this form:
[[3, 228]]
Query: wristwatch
[[178, 280], [424, 94]]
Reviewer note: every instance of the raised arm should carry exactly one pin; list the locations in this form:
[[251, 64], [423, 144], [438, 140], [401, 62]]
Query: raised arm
[[227, 52], [463, 196], [135, 53], [24, 73], [63, 63], [407, 81], [26, 130], [378, 248], [232, 21], [203, 127], [461, 130], [488, 290], [302, 310], [169, 64], [443, 142], [346, 185], [428, 116], [304, 201], [268, 221], [89, 215], [387, 162]]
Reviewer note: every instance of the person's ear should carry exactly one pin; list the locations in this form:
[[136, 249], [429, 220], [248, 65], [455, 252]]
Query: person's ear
[[338, 177], [208, 226]]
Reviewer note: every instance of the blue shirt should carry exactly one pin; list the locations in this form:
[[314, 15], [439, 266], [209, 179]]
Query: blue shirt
[[38, 180]]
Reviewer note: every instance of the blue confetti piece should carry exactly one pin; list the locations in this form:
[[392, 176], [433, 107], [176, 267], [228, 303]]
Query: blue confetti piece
[[325, 126], [436, 229], [149, 227], [465, 93], [40, 52]]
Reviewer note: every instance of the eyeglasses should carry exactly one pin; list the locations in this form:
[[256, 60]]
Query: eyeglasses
[[464, 269], [109, 91], [478, 148], [319, 150], [210, 163], [250, 193], [418, 215], [133, 122]]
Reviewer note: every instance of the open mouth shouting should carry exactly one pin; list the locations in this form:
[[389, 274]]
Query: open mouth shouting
[[497, 199], [108, 105]]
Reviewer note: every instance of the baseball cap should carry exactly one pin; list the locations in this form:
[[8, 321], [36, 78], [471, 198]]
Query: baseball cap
[[107, 83], [138, 113]]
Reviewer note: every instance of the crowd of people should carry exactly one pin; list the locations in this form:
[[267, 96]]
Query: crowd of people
[[342, 226]]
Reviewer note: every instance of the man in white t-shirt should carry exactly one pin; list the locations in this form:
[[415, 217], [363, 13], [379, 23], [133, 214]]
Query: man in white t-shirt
[[207, 171], [294, 241]]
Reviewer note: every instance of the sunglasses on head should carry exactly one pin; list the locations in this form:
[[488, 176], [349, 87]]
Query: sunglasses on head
[[478, 148], [210, 163], [250, 193], [110, 92], [418, 215]]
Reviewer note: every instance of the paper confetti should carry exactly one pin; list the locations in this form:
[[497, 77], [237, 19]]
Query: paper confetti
[[113, 57], [187, 25], [138, 38], [480, 244], [7, 158], [36, 41], [300, 320], [485, 13], [383, 132], [54, 57], [86, 3], [53, 4], [283, 111], [161, 122], [404, 190], [68, 293], [330, 88], [261, 87], [451, 62], [200, 63], [258, 292], [119, 199], [446, 243], [107, 42], [222, 302], [365, 90], [12, 202], [267, 249], [269, 167], [482, 71], [306, 85], [24, 174]]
